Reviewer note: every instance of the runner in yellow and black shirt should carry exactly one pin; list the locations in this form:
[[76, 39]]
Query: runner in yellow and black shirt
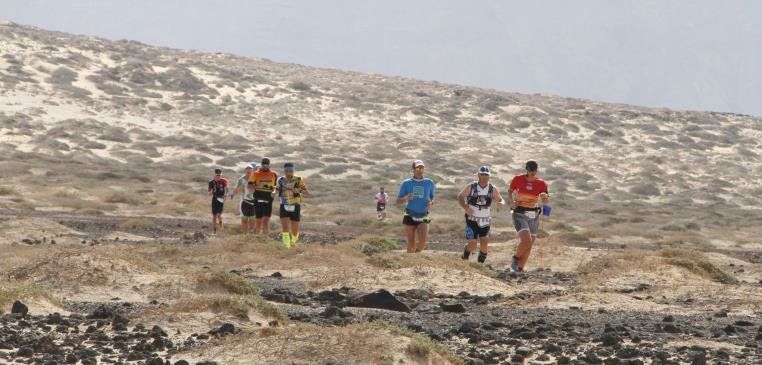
[[290, 189]]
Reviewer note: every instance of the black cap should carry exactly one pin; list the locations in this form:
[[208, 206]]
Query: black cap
[[531, 165], [265, 161], [288, 166], [218, 171]]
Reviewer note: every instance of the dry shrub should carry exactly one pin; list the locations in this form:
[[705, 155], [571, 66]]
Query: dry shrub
[[616, 263], [420, 345], [696, 263], [232, 293], [7, 190], [238, 306], [10, 292], [121, 197]]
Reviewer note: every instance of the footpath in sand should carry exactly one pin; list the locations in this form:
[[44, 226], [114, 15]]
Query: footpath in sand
[[356, 298]]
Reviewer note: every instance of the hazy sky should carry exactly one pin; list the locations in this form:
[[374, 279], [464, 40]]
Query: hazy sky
[[700, 54]]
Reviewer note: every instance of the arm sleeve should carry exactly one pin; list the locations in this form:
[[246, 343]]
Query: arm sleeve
[[433, 193]]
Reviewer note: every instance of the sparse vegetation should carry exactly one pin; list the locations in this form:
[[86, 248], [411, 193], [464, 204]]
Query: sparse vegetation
[[696, 263], [12, 292], [121, 197], [238, 295], [7, 190], [420, 345]]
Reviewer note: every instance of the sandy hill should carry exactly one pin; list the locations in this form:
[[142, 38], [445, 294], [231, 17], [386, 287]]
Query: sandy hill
[[104, 141]]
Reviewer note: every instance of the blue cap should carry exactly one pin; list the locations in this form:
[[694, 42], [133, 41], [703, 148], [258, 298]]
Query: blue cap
[[484, 170]]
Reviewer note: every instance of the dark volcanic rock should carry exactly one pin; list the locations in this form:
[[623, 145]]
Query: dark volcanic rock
[[225, 329], [19, 308], [610, 339], [333, 311], [380, 299], [25, 352], [452, 307], [331, 296]]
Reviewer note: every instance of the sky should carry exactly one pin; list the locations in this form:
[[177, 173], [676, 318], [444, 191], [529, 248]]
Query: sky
[[688, 55]]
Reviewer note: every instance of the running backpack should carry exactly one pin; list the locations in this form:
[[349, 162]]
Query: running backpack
[[479, 200]]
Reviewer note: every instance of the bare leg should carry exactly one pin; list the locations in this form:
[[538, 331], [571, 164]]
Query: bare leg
[[214, 222], [483, 242], [410, 236], [265, 225], [524, 247], [423, 234], [471, 245]]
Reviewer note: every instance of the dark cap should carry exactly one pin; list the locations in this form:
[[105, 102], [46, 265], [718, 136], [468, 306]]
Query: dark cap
[[218, 171], [265, 161], [531, 165], [288, 166], [484, 170]]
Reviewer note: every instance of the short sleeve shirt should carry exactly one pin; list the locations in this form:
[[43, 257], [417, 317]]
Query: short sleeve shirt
[[528, 191], [290, 190], [423, 191], [218, 187]]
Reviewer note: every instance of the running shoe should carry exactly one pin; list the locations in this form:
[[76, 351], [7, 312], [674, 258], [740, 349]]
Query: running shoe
[[515, 265]]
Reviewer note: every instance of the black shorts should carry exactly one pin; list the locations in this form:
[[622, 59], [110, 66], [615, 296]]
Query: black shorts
[[247, 209], [263, 208], [473, 231], [217, 206], [380, 207], [294, 216], [410, 221]]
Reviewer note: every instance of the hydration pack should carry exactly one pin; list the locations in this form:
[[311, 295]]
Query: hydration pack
[[480, 201]]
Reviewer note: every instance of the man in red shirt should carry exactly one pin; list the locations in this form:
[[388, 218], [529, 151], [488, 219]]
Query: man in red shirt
[[527, 191]]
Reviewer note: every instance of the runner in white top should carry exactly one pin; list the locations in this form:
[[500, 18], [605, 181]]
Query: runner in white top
[[381, 199], [476, 200], [246, 203]]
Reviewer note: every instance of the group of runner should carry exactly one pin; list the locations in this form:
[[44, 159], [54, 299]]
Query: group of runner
[[259, 185]]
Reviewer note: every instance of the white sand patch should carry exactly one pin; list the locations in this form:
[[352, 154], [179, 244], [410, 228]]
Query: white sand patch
[[83, 83], [704, 343], [16, 230]]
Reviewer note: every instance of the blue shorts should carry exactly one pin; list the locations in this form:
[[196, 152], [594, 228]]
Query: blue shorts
[[473, 231]]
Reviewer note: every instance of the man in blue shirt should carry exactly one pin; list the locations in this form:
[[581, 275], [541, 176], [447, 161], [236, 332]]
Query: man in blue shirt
[[417, 193]]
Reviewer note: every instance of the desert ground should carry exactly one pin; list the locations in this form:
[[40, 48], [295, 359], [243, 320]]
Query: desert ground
[[652, 254]]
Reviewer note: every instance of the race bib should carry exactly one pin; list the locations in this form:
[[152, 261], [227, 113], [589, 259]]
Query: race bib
[[221, 200], [262, 201], [289, 208], [483, 222], [531, 214]]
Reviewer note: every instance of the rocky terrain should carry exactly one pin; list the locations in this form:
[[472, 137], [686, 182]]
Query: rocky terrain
[[652, 254]]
